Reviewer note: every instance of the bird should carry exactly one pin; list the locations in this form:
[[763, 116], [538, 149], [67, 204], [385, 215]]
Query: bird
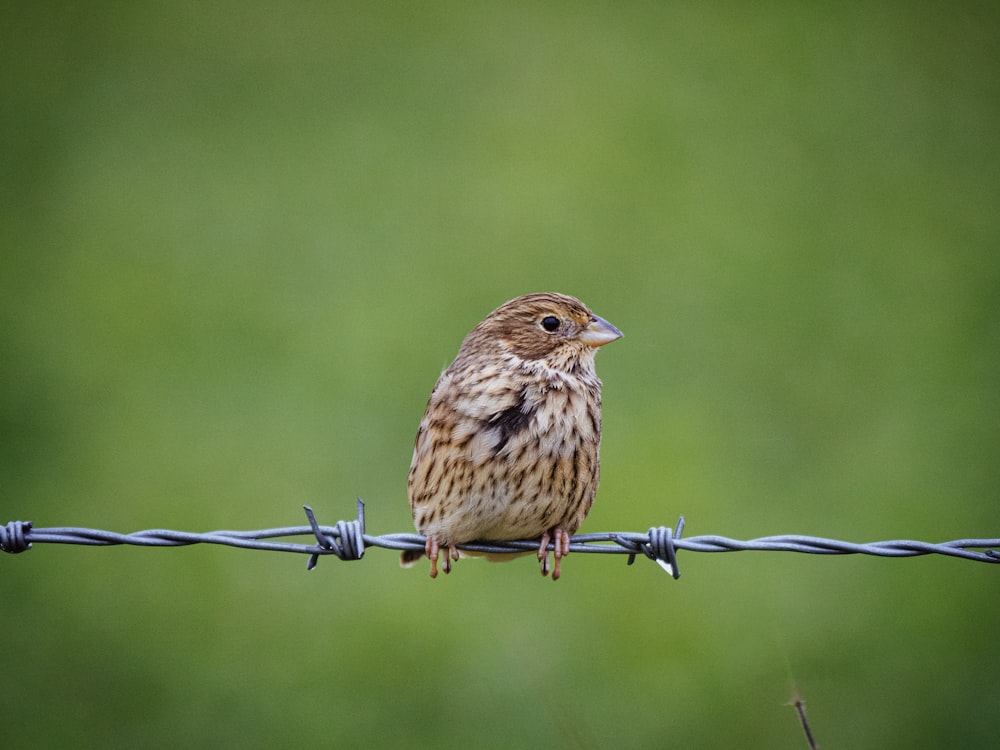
[[508, 447]]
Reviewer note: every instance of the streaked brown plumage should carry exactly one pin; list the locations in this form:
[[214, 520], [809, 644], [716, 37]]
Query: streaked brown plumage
[[508, 446]]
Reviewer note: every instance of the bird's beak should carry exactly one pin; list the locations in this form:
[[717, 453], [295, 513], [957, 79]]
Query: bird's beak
[[599, 333]]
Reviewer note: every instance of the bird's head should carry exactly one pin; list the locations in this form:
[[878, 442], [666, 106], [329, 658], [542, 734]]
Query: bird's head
[[556, 328]]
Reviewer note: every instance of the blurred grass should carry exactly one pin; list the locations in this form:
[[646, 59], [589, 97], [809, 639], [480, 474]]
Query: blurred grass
[[241, 241]]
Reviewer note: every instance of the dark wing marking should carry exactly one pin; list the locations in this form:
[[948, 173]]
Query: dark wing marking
[[509, 422]]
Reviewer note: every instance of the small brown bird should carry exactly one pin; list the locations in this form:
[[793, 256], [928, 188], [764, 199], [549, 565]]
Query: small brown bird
[[508, 446]]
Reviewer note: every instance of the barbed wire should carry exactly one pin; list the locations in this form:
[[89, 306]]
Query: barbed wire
[[347, 540]]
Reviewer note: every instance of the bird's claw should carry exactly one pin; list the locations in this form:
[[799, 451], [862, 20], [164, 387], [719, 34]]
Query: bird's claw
[[560, 548], [432, 550]]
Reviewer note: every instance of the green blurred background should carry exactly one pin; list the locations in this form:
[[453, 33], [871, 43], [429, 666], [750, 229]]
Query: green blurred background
[[240, 241]]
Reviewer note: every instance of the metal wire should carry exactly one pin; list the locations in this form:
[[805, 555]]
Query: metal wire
[[347, 540]]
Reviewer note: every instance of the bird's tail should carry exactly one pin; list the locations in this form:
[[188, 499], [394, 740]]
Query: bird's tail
[[409, 557]]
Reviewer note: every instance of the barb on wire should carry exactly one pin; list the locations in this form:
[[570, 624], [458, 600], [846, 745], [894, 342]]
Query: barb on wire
[[347, 540]]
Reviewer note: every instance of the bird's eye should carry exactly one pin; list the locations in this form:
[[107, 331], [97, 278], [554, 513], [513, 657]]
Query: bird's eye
[[550, 323]]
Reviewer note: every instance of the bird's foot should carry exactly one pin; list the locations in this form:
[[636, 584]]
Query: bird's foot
[[560, 548], [432, 550]]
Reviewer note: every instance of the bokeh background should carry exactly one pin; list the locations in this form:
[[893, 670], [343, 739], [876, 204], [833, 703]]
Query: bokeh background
[[241, 240]]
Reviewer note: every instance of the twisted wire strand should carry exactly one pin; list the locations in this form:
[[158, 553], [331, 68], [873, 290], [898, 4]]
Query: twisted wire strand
[[347, 540]]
